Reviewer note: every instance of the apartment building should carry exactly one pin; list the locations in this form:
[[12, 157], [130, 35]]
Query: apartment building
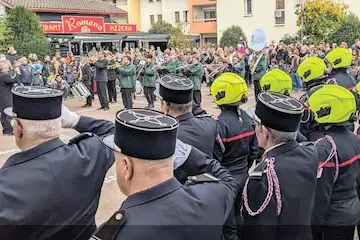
[[172, 11], [276, 17], [133, 9]]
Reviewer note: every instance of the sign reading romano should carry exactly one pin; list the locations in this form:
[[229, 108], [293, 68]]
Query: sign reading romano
[[81, 24]]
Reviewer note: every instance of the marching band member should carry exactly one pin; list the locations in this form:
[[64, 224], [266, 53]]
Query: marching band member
[[149, 80], [101, 79], [258, 65], [88, 80], [195, 73], [236, 147], [283, 184], [111, 72], [173, 64], [127, 80]]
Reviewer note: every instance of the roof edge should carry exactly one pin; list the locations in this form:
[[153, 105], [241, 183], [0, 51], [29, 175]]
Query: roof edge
[[6, 3], [123, 12]]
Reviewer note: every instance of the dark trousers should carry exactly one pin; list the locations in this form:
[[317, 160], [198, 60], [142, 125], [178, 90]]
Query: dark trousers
[[111, 86], [257, 89], [197, 97], [333, 233], [5, 122], [102, 93], [126, 95], [90, 98], [149, 95]]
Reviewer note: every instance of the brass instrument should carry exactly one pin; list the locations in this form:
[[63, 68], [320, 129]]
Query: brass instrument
[[80, 91], [217, 70], [114, 65]]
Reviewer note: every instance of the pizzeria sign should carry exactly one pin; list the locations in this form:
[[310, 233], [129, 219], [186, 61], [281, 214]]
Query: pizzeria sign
[[81, 24]]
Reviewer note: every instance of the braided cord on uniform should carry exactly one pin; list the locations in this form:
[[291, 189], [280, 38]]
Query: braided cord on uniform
[[273, 182], [332, 154], [331, 80]]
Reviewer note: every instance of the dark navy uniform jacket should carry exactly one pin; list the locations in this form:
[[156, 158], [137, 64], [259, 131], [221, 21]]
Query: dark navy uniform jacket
[[199, 131], [296, 167], [52, 191], [344, 78], [237, 147], [338, 203], [174, 211]]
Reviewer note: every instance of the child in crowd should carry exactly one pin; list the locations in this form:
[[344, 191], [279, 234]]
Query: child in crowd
[[70, 75], [282, 66], [61, 84]]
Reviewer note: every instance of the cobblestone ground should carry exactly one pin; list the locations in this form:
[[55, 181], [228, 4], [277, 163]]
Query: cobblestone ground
[[111, 198]]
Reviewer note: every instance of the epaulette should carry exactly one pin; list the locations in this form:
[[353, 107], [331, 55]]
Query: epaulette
[[80, 137], [203, 115], [111, 228], [258, 171], [202, 178]]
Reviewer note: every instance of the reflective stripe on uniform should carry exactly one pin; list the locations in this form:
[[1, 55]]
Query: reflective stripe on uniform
[[343, 164], [237, 137]]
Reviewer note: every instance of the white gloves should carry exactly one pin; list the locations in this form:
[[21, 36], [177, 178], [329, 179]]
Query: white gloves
[[69, 119]]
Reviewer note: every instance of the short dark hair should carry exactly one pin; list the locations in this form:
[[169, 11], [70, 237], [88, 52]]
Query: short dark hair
[[128, 58]]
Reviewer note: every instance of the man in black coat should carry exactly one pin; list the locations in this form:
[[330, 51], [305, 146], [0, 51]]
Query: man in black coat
[[101, 79], [111, 84], [88, 80], [58, 192], [6, 83], [48, 69]]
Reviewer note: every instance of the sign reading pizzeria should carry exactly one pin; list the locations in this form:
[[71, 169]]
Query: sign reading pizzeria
[[81, 24]]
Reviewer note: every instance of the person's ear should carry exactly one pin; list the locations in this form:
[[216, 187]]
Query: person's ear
[[128, 168], [265, 131], [18, 129]]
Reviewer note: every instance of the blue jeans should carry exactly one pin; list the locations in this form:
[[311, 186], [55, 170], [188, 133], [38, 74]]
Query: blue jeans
[[296, 79]]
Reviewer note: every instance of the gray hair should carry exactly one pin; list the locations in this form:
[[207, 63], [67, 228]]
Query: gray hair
[[278, 137], [40, 129], [180, 108]]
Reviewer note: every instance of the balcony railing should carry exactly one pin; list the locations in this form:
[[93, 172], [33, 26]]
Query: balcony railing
[[201, 18]]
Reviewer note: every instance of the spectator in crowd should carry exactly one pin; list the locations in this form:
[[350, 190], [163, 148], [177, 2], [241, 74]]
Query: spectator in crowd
[[47, 69], [281, 53], [61, 84], [69, 75], [26, 72], [12, 55]]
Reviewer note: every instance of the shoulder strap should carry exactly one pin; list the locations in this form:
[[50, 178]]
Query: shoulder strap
[[202, 178], [110, 229], [80, 137]]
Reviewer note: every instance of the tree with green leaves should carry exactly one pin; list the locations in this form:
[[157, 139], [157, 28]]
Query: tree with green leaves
[[161, 27], [24, 33], [348, 32], [319, 19], [231, 36], [178, 39]]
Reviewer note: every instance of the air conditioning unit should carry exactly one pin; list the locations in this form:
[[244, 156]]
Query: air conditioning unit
[[279, 13]]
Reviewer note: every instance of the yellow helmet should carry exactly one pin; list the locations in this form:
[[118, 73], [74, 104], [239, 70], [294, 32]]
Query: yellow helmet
[[312, 68], [339, 58], [277, 81], [229, 89], [332, 104]]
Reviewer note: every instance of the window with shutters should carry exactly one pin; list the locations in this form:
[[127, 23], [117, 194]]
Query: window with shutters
[[177, 17], [152, 19], [280, 12], [159, 17], [248, 7]]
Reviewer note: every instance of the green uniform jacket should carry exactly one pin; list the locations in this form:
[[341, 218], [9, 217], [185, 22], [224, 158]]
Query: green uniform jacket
[[195, 73], [260, 69], [172, 65], [149, 77], [127, 76]]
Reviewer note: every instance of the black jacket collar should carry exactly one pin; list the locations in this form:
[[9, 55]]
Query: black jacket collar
[[282, 149], [34, 152], [185, 116], [151, 194]]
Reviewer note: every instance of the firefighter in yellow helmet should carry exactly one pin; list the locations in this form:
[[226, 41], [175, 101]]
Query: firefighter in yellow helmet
[[276, 80], [336, 200], [236, 146], [340, 60], [313, 73]]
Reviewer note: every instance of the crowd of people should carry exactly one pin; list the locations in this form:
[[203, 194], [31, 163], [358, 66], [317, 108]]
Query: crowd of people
[[285, 169]]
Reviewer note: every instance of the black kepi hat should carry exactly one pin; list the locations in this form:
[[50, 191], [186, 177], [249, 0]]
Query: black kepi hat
[[175, 89], [144, 134], [35, 103], [279, 112]]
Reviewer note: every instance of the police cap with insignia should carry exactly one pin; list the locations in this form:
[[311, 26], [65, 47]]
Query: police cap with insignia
[[279, 112], [176, 89], [35, 103], [144, 134]]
